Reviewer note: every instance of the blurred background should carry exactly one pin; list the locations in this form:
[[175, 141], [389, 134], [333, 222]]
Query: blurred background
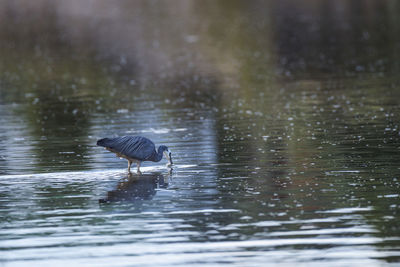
[[68, 62]]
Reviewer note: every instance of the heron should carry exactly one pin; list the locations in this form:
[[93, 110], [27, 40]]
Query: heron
[[135, 149]]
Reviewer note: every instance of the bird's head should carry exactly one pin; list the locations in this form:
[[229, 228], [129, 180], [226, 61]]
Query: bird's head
[[167, 154]]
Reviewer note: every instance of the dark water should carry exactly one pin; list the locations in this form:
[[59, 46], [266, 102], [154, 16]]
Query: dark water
[[283, 121]]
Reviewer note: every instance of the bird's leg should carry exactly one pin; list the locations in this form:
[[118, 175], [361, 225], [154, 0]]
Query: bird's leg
[[138, 167], [129, 166]]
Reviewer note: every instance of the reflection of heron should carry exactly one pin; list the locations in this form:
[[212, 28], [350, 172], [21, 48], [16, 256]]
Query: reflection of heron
[[136, 187], [135, 149]]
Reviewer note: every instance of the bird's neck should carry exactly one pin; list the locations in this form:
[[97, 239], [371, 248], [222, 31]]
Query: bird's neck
[[158, 155]]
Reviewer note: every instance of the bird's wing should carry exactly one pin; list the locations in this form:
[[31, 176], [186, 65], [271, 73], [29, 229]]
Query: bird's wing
[[135, 147]]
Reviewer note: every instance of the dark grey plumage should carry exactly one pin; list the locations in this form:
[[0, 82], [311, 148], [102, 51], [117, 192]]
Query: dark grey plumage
[[134, 149]]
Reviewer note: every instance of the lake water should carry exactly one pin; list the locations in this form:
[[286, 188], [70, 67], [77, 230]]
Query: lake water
[[283, 122]]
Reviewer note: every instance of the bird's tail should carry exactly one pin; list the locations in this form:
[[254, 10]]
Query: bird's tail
[[103, 142]]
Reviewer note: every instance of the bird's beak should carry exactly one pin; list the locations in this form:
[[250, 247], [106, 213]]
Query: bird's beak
[[168, 155]]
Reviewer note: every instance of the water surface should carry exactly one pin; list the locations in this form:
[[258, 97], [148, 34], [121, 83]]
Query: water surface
[[285, 139]]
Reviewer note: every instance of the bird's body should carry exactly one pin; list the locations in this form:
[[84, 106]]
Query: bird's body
[[135, 149]]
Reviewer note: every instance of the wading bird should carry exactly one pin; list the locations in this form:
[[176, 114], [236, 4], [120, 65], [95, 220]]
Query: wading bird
[[135, 149]]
